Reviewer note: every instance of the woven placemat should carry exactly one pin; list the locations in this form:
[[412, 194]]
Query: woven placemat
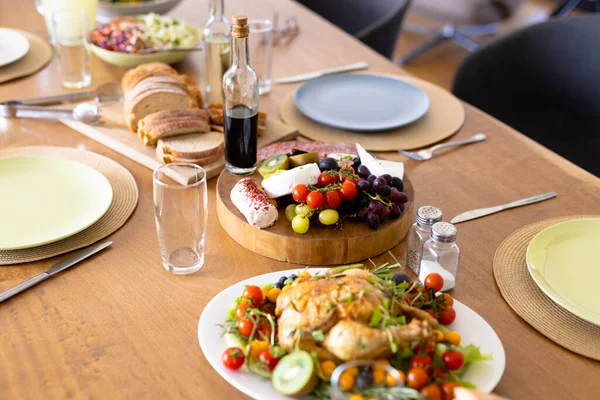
[[530, 303], [445, 117], [39, 54], [125, 197]]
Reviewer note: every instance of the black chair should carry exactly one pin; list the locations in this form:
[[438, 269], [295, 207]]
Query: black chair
[[543, 80], [376, 23]]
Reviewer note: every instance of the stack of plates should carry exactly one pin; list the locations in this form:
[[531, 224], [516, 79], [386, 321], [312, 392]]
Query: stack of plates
[[48, 199], [13, 46], [564, 261]]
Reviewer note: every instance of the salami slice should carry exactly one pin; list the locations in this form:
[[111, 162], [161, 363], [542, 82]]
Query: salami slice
[[323, 148]]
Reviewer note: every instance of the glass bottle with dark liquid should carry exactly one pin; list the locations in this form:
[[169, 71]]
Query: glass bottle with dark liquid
[[240, 104]]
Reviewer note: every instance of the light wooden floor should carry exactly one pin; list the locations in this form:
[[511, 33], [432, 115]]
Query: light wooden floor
[[438, 65]]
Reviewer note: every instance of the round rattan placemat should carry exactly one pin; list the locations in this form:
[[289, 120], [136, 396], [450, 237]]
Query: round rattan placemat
[[445, 117], [39, 54], [125, 198], [530, 303]]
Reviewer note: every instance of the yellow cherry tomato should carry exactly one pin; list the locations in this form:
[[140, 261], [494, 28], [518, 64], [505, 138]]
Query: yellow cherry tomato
[[346, 381], [286, 287], [305, 274], [327, 368], [256, 347], [453, 337], [265, 292], [372, 398], [379, 376], [356, 397], [352, 370], [390, 381], [439, 335], [273, 294]]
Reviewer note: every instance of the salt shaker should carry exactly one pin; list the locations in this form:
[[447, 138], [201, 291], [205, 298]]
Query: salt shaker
[[441, 254], [419, 234]]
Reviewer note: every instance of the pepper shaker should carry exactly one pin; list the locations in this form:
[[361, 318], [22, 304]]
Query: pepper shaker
[[419, 234]]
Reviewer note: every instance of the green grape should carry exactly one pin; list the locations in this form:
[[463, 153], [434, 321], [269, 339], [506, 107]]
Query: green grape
[[303, 209], [329, 217], [300, 223], [290, 212]]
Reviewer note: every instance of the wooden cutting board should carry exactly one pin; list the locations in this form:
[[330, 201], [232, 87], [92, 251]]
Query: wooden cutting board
[[350, 243], [114, 134]]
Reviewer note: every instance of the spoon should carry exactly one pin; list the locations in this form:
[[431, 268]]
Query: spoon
[[106, 93], [87, 113]]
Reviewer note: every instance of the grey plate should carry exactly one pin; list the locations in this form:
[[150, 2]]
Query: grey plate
[[361, 102]]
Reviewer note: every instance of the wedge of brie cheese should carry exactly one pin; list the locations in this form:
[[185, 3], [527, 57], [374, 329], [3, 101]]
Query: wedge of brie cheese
[[380, 167], [282, 183]]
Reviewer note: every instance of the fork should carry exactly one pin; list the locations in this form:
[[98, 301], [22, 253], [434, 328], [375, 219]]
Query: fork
[[426, 154]]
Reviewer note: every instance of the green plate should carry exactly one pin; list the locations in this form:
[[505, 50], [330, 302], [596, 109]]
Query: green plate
[[44, 199], [564, 261]]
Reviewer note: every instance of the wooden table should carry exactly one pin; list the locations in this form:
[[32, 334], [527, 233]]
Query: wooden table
[[120, 326]]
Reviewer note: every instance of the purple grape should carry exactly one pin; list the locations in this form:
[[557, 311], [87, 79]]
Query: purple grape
[[356, 163], [383, 215], [373, 220], [385, 191], [361, 216], [371, 178], [395, 211], [328, 164], [387, 177], [397, 183], [362, 200], [402, 207], [398, 197], [400, 278], [363, 185], [363, 171], [376, 207], [378, 184]]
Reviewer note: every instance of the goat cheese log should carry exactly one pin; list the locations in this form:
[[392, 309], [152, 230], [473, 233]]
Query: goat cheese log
[[253, 204]]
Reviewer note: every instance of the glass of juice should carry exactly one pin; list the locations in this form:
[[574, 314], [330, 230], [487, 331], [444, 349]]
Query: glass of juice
[[70, 29]]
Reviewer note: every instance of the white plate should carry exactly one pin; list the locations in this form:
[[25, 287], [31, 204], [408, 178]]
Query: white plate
[[108, 10], [472, 328], [13, 46]]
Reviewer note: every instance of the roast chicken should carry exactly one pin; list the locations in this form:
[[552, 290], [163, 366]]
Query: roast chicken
[[339, 308]]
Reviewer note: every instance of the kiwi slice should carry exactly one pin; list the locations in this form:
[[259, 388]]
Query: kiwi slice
[[303, 159], [273, 163], [295, 375]]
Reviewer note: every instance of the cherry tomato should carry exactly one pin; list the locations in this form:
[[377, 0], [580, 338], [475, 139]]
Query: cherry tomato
[[352, 178], [445, 300], [432, 392], [300, 192], [240, 311], [448, 390], [233, 358], [270, 361], [447, 316], [347, 171], [263, 332], [348, 190], [453, 359], [425, 349], [328, 178], [333, 198], [424, 362], [253, 294], [434, 281], [416, 378], [315, 200], [245, 327], [441, 373], [430, 312]]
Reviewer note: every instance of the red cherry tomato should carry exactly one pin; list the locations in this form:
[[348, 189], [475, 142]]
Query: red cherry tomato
[[348, 190], [328, 178], [447, 316], [448, 390], [333, 198], [270, 361], [315, 200], [424, 362], [416, 378], [434, 281], [245, 327], [300, 192], [347, 171], [240, 311], [453, 359], [430, 312], [441, 374], [233, 358], [425, 349], [263, 332], [352, 178], [432, 392], [253, 294]]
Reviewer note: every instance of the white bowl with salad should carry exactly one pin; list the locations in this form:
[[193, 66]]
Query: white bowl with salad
[[123, 41], [109, 9]]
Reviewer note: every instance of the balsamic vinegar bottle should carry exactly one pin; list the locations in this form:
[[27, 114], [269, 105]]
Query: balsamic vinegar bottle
[[240, 104]]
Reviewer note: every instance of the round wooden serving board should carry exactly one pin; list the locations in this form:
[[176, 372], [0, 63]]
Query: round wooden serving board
[[320, 245]]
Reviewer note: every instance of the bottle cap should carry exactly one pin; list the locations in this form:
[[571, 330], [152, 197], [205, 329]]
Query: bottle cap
[[239, 27], [428, 215], [443, 232]]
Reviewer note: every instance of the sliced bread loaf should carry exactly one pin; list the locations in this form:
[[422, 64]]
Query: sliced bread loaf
[[199, 148], [132, 77], [172, 127], [155, 100]]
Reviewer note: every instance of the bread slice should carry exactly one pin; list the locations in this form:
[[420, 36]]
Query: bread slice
[[184, 113], [155, 100], [193, 89], [132, 77], [197, 148], [173, 128], [181, 81], [216, 115], [147, 129]]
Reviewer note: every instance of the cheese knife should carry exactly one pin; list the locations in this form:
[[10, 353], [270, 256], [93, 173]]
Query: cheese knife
[[481, 212], [55, 269]]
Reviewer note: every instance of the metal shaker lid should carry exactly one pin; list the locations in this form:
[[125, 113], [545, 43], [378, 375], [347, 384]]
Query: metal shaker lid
[[443, 232], [428, 215]]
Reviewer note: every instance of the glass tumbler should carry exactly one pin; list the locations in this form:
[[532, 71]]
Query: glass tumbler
[[180, 211], [70, 28], [260, 45]]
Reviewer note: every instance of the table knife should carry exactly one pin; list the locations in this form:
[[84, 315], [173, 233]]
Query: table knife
[[312, 75], [55, 269], [481, 212]]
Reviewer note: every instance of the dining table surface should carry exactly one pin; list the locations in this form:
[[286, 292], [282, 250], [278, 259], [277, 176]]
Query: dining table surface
[[120, 326]]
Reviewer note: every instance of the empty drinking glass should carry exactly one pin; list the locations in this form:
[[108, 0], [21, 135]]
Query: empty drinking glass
[[180, 210], [70, 28], [261, 44]]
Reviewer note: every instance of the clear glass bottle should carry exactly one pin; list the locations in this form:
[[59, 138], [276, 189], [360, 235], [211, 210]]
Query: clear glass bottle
[[441, 254], [216, 42], [240, 106], [419, 234]]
